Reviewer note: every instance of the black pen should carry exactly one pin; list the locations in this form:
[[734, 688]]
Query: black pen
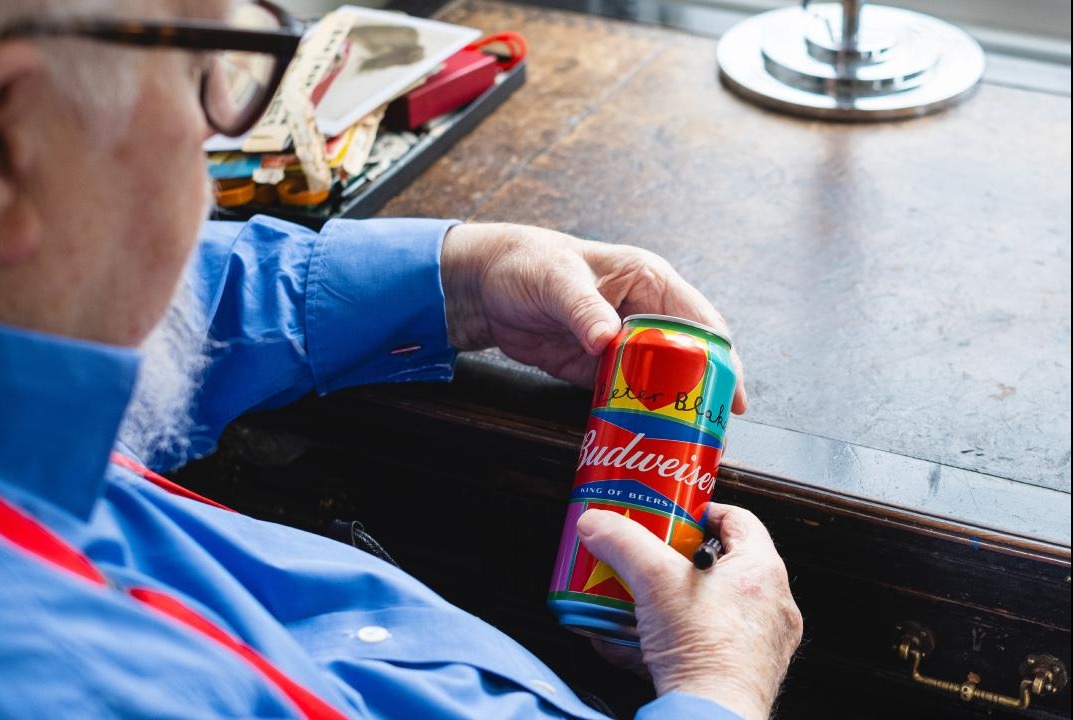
[[709, 551]]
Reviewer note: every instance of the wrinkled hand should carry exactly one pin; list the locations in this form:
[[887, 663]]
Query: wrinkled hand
[[726, 634], [554, 301]]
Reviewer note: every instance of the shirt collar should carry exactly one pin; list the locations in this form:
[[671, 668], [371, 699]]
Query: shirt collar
[[61, 403]]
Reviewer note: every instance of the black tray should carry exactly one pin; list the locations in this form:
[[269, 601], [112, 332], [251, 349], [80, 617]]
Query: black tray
[[373, 196]]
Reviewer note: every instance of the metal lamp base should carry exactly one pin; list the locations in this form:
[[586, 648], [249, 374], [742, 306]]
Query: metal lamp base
[[900, 64]]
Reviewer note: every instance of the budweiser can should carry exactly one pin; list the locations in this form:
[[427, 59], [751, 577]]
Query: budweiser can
[[650, 452]]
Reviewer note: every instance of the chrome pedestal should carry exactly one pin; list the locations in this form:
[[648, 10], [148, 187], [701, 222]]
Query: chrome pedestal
[[850, 61]]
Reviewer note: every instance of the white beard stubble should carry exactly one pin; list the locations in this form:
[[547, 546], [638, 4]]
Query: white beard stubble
[[158, 421]]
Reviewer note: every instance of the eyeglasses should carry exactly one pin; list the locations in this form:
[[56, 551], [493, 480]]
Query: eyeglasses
[[250, 54]]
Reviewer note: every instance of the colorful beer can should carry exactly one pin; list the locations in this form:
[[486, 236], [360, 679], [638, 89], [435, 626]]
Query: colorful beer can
[[650, 452]]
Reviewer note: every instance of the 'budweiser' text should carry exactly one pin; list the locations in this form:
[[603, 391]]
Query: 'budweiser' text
[[628, 456]]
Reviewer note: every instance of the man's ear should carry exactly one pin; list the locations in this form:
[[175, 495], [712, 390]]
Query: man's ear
[[22, 70]]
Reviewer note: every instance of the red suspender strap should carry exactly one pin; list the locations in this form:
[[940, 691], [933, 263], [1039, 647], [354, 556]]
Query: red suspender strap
[[310, 705], [161, 481], [27, 533], [31, 536]]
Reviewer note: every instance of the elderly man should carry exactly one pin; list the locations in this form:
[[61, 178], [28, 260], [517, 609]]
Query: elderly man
[[126, 596]]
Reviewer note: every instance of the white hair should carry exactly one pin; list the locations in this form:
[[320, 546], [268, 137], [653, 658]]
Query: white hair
[[158, 421]]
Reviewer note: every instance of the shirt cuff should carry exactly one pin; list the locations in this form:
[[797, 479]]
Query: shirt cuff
[[374, 304], [682, 706]]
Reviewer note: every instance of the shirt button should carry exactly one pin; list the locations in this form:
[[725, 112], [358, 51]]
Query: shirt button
[[373, 634]]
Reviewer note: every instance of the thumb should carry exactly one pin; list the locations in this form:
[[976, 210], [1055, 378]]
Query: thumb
[[580, 306], [637, 555]]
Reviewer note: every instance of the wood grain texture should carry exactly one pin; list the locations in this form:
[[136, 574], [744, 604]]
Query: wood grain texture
[[903, 286], [562, 88]]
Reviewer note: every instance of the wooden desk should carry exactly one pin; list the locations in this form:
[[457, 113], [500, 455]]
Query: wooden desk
[[901, 286], [900, 294]]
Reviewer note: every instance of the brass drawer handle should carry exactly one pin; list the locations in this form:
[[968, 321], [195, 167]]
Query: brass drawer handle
[[1040, 674]]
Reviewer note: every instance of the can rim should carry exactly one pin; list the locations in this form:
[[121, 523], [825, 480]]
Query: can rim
[[681, 321]]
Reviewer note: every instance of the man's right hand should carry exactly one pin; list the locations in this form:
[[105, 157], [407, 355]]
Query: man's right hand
[[727, 633]]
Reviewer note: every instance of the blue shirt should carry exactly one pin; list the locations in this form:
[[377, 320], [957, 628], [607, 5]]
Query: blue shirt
[[296, 311]]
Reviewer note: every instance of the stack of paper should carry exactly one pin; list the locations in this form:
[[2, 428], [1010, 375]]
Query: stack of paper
[[322, 129]]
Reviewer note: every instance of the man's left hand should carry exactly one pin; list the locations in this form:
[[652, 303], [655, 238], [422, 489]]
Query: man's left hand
[[555, 301]]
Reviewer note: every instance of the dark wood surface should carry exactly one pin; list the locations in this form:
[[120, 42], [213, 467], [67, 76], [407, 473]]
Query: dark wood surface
[[900, 286]]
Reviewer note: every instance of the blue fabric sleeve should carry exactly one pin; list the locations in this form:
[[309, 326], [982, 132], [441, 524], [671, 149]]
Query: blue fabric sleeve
[[682, 706], [293, 310]]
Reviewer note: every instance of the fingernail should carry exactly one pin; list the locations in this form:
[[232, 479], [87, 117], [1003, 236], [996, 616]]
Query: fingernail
[[584, 524], [596, 331]]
